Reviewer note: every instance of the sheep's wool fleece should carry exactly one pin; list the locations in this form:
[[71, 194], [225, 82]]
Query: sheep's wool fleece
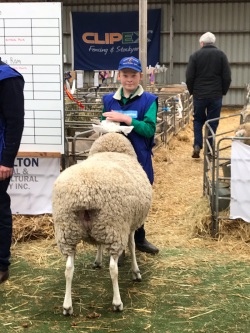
[[103, 198], [245, 128]]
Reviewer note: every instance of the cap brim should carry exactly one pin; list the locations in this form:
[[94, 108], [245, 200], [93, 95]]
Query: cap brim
[[129, 67]]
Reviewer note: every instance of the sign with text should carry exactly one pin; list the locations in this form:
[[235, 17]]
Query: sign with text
[[31, 42], [31, 185], [100, 40]]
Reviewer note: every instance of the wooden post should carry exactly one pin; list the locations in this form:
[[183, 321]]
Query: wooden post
[[143, 27]]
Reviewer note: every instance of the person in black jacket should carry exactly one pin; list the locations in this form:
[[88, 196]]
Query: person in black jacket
[[208, 78], [11, 129]]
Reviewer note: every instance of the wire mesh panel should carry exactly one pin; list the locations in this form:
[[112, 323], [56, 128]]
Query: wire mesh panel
[[217, 168], [86, 108]]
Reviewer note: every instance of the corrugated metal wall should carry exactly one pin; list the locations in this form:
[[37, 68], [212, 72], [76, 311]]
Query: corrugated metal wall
[[231, 26], [228, 20]]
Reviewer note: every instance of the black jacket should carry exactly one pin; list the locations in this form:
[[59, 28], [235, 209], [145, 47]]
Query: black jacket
[[12, 113], [208, 73]]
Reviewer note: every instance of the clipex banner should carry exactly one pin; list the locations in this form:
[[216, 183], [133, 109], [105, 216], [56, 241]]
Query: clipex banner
[[101, 40]]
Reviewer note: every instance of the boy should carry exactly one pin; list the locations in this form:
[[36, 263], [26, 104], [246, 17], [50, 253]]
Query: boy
[[131, 106]]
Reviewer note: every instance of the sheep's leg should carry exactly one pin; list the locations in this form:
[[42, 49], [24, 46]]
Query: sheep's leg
[[98, 258], [113, 268], [135, 269], [69, 271]]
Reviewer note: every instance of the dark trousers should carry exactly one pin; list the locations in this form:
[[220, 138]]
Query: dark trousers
[[205, 109], [140, 235], [5, 225]]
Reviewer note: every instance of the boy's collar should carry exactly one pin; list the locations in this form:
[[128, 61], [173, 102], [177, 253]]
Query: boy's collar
[[119, 93]]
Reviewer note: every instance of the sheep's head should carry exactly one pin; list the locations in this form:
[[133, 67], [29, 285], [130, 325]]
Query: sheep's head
[[243, 131], [112, 142]]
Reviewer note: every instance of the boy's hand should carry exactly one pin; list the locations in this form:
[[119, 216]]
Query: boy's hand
[[118, 117]]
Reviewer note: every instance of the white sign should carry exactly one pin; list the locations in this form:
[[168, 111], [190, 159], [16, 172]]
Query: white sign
[[31, 185], [31, 42], [240, 181]]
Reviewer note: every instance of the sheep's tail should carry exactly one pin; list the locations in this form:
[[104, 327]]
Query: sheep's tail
[[75, 197], [85, 218]]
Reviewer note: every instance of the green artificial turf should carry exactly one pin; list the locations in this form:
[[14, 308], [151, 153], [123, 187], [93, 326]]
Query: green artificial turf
[[182, 291]]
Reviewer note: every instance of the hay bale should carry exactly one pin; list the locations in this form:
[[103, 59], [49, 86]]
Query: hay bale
[[199, 218], [200, 221], [29, 227]]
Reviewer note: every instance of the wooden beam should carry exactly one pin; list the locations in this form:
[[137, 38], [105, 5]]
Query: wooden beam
[[143, 28], [39, 154], [171, 43]]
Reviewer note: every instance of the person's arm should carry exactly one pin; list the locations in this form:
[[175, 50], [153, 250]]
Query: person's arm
[[145, 127], [116, 116], [190, 74], [12, 107], [102, 116], [226, 75]]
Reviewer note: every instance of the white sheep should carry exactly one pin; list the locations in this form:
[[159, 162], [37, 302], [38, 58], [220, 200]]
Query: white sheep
[[243, 131], [103, 199], [245, 114]]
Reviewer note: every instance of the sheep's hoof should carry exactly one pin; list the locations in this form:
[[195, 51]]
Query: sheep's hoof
[[68, 312], [97, 265], [137, 276], [137, 279], [118, 308]]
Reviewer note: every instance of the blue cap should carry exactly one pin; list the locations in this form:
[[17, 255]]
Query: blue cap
[[130, 62]]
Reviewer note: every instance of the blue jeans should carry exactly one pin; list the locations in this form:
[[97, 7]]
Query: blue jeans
[[5, 225], [205, 109]]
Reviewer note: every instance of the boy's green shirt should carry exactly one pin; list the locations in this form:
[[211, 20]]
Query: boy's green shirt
[[147, 127]]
